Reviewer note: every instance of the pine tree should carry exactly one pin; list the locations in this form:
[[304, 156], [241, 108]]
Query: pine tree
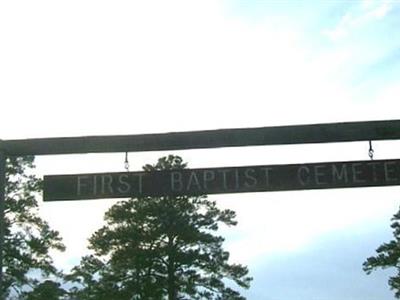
[[388, 256], [28, 238], [161, 248], [47, 290]]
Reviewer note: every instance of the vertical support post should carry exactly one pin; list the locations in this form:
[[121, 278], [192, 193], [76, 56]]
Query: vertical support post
[[2, 215]]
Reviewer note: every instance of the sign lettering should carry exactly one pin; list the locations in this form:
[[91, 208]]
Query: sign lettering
[[223, 180]]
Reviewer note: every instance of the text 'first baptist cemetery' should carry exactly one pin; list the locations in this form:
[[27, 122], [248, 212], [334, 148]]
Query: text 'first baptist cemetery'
[[222, 180]]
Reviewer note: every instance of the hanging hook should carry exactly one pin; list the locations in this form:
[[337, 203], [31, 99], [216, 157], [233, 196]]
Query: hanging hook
[[126, 163], [371, 151]]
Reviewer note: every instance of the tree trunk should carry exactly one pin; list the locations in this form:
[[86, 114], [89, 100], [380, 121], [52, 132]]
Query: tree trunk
[[172, 287]]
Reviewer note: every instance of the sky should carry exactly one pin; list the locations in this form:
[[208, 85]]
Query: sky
[[78, 68]]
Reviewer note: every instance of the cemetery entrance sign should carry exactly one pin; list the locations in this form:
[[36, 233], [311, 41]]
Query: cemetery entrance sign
[[208, 181], [223, 180]]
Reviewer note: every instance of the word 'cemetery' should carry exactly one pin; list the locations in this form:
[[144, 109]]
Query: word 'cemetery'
[[223, 180]]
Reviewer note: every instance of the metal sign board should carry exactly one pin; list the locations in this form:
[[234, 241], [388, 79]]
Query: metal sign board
[[325, 175]]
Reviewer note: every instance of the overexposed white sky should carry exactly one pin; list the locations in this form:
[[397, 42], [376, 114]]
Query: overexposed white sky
[[81, 68]]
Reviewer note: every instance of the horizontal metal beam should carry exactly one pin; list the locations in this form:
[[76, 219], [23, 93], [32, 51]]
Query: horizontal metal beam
[[278, 135]]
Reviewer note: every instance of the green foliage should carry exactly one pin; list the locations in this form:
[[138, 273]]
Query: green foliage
[[388, 256], [47, 290], [28, 238], [161, 248]]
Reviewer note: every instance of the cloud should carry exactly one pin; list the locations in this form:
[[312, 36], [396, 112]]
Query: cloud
[[143, 67], [357, 17]]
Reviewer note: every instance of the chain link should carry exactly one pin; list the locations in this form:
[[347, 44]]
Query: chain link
[[126, 163], [371, 151]]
